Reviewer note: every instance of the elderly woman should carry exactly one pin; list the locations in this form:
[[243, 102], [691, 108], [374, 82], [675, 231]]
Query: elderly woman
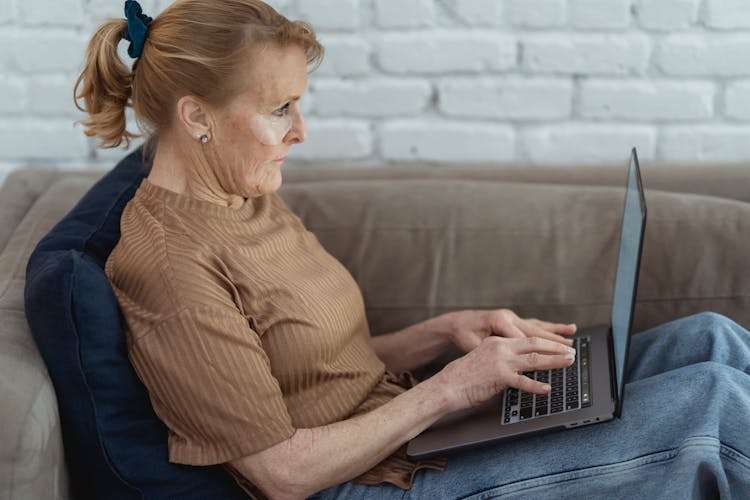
[[253, 342]]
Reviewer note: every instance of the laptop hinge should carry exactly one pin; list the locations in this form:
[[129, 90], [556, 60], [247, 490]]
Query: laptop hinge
[[612, 370]]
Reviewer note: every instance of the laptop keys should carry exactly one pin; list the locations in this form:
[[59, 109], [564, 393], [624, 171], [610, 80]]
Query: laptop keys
[[570, 390]]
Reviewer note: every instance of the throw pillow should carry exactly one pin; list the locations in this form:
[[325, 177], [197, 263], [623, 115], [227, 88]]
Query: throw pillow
[[115, 446]]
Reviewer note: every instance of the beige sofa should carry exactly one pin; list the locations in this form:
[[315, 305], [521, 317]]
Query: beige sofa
[[421, 240]]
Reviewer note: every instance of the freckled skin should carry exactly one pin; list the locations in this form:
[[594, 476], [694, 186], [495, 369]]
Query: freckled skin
[[271, 130], [235, 164], [247, 166]]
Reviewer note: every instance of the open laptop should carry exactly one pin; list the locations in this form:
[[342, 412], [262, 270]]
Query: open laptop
[[588, 392]]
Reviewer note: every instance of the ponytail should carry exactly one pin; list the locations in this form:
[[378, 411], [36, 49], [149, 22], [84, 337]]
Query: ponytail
[[194, 48], [105, 85]]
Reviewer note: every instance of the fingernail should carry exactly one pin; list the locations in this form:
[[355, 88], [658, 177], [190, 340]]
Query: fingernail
[[570, 350], [547, 388], [569, 356]]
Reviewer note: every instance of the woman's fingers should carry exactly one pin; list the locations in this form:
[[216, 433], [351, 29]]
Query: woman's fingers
[[540, 345], [558, 328], [500, 362], [526, 384], [536, 331], [514, 332], [534, 361], [536, 353]]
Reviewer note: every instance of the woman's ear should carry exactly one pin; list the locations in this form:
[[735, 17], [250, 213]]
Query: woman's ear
[[193, 116]]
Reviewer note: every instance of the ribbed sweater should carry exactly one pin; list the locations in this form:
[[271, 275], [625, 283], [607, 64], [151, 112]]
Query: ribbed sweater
[[243, 328]]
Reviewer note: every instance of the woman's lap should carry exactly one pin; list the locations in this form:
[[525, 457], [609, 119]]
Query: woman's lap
[[686, 341], [682, 432]]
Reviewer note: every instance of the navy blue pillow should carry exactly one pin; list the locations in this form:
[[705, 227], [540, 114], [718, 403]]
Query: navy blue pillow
[[115, 446]]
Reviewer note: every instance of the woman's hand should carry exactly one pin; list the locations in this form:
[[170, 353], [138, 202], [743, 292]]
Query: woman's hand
[[497, 363], [468, 328]]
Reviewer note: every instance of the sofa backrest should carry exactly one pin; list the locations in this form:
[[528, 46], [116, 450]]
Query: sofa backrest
[[419, 247]]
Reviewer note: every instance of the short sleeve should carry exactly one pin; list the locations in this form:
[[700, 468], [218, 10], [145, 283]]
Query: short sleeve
[[210, 382]]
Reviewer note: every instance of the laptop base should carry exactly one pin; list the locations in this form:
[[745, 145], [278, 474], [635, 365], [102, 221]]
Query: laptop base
[[479, 426]]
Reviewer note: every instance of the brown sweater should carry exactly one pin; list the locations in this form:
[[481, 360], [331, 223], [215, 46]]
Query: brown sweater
[[243, 328]]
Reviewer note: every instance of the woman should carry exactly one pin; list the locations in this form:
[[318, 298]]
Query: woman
[[253, 342]]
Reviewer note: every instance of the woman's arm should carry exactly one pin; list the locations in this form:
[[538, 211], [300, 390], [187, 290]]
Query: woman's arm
[[419, 344], [415, 345], [314, 459]]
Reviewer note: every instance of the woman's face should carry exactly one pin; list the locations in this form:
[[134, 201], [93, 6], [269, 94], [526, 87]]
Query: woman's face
[[255, 131]]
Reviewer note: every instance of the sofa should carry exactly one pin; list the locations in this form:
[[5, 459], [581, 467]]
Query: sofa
[[420, 240]]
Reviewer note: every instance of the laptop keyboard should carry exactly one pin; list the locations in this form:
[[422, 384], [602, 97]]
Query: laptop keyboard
[[570, 390]]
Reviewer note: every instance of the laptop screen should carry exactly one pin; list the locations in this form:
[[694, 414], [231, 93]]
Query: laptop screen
[[628, 263]]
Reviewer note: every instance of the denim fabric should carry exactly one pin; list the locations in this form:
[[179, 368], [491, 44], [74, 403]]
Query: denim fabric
[[684, 433]]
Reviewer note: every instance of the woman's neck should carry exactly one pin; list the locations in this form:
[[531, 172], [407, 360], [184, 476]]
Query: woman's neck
[[175, 169]]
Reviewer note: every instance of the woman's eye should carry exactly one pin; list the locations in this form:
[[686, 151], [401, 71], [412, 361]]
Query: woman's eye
[[282, 110]]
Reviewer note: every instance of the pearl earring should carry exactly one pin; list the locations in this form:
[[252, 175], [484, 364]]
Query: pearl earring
[[204, 139]]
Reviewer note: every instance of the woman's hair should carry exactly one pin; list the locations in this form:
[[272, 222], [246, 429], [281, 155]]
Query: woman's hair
[[194, 47]]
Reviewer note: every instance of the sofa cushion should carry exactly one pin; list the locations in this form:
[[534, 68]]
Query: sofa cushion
[[419, 248], [32, 463], [20, 191], [115, 446]]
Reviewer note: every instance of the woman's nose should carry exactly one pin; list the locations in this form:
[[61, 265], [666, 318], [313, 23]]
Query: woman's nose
[[298, 133]]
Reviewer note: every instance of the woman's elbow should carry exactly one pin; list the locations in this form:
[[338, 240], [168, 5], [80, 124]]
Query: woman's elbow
[[276, 480]]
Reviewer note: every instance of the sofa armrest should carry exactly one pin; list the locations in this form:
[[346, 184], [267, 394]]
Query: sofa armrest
[[21, 189]]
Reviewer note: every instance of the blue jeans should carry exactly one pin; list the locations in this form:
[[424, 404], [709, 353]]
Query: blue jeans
[[684, 433]]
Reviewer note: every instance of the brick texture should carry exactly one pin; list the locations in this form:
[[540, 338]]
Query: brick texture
[[728, 14], [600, 14], [613, 99], [698, 55], [458, 141], [517, 81], [446, 53], [666, 15], [400, 14]]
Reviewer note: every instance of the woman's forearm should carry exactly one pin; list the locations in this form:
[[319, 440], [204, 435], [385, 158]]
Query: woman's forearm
[[314, 459], [414, 346]]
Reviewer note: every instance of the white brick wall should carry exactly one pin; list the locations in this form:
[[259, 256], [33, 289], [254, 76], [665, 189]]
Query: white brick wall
[[536, 13], [587, 54], [667, 15], [600, 14], [737, 103], [395, 97], [710, 144], [586, 143], [508, 98], [401, 14], [694, 55], [728, 14], [507, 81], [446, 52], [486, 13], [649, 101], [334, 15], [435, 141]]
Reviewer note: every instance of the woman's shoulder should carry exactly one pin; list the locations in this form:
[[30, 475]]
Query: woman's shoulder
[[155, 252], [155, 284]]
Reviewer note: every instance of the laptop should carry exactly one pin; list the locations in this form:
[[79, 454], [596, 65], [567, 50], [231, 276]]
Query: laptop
[[588, 392]]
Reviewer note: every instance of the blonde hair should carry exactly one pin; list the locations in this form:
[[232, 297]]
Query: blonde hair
[[194, 47]]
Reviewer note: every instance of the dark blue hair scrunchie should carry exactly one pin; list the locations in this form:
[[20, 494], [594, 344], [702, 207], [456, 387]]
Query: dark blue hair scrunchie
[[137, 28]]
